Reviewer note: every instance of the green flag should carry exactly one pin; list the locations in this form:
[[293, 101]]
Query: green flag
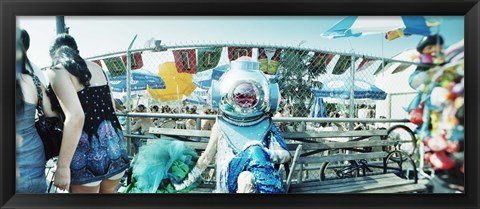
[[343, 63], [208, 58], [115, 66]]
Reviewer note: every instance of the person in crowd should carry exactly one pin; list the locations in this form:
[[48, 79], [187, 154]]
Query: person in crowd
[[93, 156], [156, 109], [30, 155], [191, 122], [283, 112], [207, 124], [245, 141], [363, 112], [335, 126], [142, 126], [193, 110]]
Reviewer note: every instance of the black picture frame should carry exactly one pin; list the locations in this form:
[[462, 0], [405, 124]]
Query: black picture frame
[[9, 9]]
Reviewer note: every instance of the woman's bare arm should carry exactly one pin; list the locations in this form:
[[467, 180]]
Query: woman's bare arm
[[211, 149], [203, 161], [73, 125]]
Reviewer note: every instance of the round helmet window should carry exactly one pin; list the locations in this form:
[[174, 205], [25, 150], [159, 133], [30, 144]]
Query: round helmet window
[[245, 95]]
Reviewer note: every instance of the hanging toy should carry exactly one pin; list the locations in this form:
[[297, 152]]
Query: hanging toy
[[438, 97], [440, 161], [437, 144], [416, 116], [430, 49]]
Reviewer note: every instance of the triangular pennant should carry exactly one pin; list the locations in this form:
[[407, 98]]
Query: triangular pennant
[[343, 63], [385, 65], [329, 58], [236, 52], [185, 60], [365, 63], [401, 68], [136, 61], [262, 59], [97, 62], [319, 62], [115, 66], [269, 66], [208, 58]]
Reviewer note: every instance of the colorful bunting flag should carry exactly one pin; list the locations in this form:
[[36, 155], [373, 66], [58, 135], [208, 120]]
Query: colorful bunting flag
[[385, 65], [115, 66], [319, 62], [401, 68], [343, 63], [136, 61], [365, 63], [269, 66], [185, 60], [97, 62], [236, 52], [208, 58]]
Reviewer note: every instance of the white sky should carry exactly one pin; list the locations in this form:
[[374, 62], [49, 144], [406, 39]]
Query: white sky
[[105, 34]]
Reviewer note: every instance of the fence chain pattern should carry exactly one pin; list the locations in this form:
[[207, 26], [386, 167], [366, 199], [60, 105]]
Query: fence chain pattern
[[313, 83]]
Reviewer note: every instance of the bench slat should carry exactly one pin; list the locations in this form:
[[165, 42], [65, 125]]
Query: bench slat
[[287, 135], [400, 189], [197, 145], [349, 144], [333, 134], [339, 181], [180, 132], [326, 185], [342, 157], [383, 181]]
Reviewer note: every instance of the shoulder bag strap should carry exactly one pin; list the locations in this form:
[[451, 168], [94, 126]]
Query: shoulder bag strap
[[39, 95]]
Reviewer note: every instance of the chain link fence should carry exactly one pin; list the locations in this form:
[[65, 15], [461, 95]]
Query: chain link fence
[[313, 83]]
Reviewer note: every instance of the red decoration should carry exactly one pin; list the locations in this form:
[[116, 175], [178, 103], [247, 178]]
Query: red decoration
[[97, 62], [440, 161], [416, 116], [136, 61], [185, 60]]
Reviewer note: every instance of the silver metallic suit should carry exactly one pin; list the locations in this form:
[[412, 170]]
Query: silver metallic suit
[[244, 139]]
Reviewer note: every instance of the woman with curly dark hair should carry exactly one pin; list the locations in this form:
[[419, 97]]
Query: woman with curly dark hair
[[93, 156]]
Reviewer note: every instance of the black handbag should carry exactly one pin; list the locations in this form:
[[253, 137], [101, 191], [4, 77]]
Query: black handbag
[[50, 129]]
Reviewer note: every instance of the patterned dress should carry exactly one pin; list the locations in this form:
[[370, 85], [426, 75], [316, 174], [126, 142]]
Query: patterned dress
[[101, 152], [30, 156], [230, 163]]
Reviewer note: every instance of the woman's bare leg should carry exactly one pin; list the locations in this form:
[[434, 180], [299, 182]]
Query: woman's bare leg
[[84, 189], [109, 186], [246, 182]]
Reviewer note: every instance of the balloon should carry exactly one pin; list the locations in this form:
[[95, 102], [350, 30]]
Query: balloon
[[427, 157], [440, 160], [438, 96], [416, 116], [452, 147], [437, 144]]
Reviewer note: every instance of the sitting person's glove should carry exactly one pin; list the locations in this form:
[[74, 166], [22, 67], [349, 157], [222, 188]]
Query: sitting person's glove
[[252, 143], [192, 177]]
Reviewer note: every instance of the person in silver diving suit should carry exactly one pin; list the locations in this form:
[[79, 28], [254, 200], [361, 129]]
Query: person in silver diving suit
[[244, 141]]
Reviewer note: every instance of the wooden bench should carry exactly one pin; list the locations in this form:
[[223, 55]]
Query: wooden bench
[[390, 171], [311, 150]]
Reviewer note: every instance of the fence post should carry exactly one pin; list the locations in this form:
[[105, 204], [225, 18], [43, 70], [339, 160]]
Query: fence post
[[60, 20], [128, 89], [352, 89]]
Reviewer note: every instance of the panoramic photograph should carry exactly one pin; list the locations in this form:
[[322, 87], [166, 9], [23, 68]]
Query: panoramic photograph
[[240, 104]]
